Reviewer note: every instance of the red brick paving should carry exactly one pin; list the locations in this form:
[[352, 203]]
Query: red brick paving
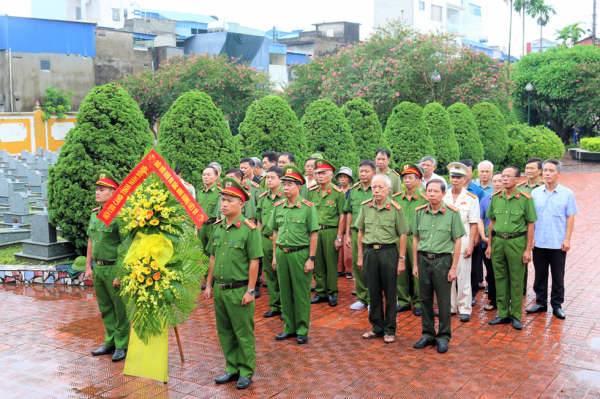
[[48, 332]]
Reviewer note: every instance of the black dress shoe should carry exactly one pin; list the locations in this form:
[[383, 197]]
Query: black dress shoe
[[282, 336], [120, 354], [464, 318], [256, 293], [349, 276], [437, 313], [333, 300], [558, 312], [473, 302], [442, 347], [105, 350], [317, 299], [340, 274], [227, 377], [264, 284], [313, 288], [537, 309], [281, 317], [499, 320], [302, 339], [517, 325], [203, 287], [417, 312], [402, 308], [423, 343], [244, 382], [271, 313]]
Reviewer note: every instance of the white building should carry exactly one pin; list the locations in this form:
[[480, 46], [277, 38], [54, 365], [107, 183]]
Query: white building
[[105, 13], [534, 46]]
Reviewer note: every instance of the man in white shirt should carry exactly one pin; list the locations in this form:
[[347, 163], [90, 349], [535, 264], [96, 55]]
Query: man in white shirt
[[189, 187], [428, 163]]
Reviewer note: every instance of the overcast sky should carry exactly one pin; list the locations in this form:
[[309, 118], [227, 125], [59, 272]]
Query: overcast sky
[[288, 15]]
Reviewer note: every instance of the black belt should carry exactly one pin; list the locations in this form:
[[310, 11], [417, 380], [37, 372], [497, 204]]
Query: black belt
[[293, 249], [269, 237], [104, 263], [409, 233], [508, 236], [323, 227], [381, 246], [433, 256], [237, 284], [211, 221]]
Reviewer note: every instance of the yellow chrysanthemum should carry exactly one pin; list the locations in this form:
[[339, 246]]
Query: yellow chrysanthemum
[[140, 278], [147, 204], [149, 281], [134, 224], [154, 222], [146, 261], [133, 274], [147, 270], [142, 223], [157, 208], [154, 265]]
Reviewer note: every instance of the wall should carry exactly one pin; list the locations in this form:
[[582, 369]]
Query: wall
[[164, 53], [115, 56], [385, 9], [279, 76]]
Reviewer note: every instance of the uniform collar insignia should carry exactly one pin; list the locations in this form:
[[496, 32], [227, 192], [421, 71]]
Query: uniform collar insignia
[[403, 194], [443, 210], [387, 206], [279, 194], [416, 196], [329, 191], [517, 196], [238, 223], [371, 204]]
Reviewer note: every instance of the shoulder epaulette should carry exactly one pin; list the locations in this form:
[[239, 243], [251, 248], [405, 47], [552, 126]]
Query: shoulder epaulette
[[255, 185], [250, 224], [187, 184], [543, 181], [472, 195], [453, 208], [306, 202], [397, 194], [220, 188], [217, 221], [367, 201], [279, 202], [336, 188], [95, 209], [396, 205], [522, 183], [398, 174], [356, 185], [421, 207], [263, 194], [313, 187], [524, 194], [424, 197], [496, 193]]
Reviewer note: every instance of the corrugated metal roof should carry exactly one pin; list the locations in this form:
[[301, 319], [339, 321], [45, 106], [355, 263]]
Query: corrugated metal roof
[[276, 48], [181, 16], [142, 36]]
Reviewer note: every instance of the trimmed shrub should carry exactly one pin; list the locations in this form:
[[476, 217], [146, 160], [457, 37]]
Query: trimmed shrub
[[271, 125], [406, 134], [492, 131], [365, 127], [590, 144], [328, 133], [111, 133], [439, 128], [193, 133], [526, 142], [465, 130]]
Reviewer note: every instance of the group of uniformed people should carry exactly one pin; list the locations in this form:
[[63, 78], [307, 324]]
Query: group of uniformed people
[[411, 237]]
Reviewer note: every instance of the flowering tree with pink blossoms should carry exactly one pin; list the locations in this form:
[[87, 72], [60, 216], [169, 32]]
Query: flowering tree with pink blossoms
[[399, 64], [232, 86]]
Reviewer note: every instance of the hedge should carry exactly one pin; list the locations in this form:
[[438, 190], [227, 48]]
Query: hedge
[[492, 131], [406, 135], [590, 144], [439, 128], [271, 125], [467, 135], [365, 127], [193, 133], [526, 142], [111, 133]]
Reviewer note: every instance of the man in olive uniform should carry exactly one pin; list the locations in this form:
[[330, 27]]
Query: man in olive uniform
[[533, 171], [207, 198], [410, 199], [382, 159], [249, 209], [359, 193], [512, 223], [264, 211], [102, 250], [234, 248], [295, 236], [329, 201], [382, 229], [437, 230]]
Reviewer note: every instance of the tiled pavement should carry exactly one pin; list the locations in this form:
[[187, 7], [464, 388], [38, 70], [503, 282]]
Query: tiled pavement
[[47, 333]]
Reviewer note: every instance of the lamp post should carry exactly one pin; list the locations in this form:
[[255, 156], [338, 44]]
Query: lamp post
[[529, 89], [402, 11], [435, 78]]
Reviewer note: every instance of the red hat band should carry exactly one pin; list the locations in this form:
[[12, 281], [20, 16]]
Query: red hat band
[[325, 167], [411, 170], [294, 175], [108, 183], [235, 192]]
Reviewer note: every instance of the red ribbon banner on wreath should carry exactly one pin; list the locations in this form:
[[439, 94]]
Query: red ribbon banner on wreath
[[152, 163]]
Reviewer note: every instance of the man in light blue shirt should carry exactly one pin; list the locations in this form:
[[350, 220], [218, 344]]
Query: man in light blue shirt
[[485, 170], [556, 208]]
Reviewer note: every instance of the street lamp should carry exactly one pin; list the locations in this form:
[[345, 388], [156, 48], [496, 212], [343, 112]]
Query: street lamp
[[529, 89], [402, 11], [435, 78]]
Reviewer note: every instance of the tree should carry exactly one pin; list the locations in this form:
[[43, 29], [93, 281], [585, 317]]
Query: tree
[[328, 133], [570, 34], [492, 132], [365, 127], [438, 126], [540, 10], [521, 6], [509, 32], [406, 134], [233, 86], [271, 125], [56, 102], [193, 133], [467, 134], [526, 142], [111, 133]]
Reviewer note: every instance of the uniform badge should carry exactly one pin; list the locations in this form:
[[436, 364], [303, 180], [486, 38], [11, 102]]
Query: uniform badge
[[405, 166], [319, 163], [103, 176]]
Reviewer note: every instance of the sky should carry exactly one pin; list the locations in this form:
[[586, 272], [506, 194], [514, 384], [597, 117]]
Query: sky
[[289, 15]]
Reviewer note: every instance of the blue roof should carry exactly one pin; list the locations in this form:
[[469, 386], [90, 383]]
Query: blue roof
[[179, 16], [142, 36], [474, 43], [290, 36], [276, 48], [295, 58], [512, 57]]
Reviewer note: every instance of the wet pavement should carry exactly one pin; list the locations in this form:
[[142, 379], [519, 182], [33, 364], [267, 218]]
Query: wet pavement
[[47, 333]]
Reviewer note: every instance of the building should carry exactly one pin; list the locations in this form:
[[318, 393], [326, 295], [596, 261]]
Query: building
[[587, 40], [105, 13], [62, 57], [534, 46], [326, 38]]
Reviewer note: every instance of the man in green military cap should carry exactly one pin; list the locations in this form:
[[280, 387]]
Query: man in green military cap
[[512, 225], [234, 248], [437, 230], [410, 199], [266, 204], [102, 250], [359, 193], [382, 229], [295, 225], [329, 201]]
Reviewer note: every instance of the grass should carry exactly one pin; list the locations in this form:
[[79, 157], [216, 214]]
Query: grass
[[7, 257]]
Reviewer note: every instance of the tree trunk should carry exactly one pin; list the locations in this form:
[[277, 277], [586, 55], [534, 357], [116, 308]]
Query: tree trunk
[[509, 37], [523, 53], [541, 26]]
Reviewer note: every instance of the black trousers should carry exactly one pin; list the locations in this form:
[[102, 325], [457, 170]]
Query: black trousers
[[491, 281], [381, 271], [475, 270], [553, 259]]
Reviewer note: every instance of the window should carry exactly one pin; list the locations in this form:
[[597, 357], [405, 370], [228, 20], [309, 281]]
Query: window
[[421, 5], [436, 13], [116, 14], [45, 65], [475, 10], [77, 13], [195, 31]]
